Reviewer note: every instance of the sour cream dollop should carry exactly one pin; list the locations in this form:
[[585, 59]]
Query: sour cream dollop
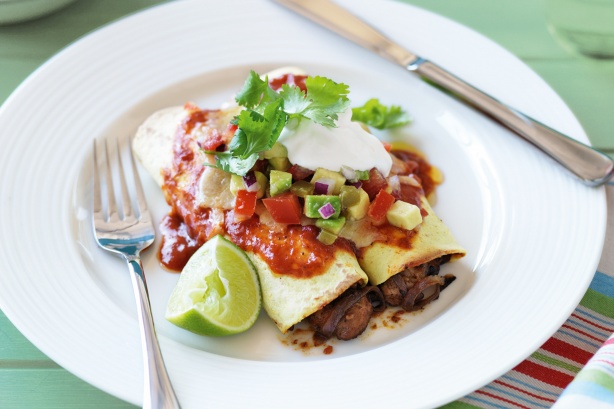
[[313, 146]]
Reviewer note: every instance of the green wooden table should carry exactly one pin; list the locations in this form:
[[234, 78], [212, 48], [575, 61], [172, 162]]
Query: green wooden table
[[29, 379]]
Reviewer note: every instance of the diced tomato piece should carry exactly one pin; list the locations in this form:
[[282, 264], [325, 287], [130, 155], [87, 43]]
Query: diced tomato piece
[[376, 182], [231, 128], [213, 139], [245, 204], [284, 208], [290, 79], [299, 172], [380, 206], [387, 146]]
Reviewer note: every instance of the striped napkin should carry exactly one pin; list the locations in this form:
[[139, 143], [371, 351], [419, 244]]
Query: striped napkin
[[575, 368]]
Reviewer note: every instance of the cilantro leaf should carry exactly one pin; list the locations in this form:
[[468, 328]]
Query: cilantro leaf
[[328, 99], [321, 103], [256, 132], [233, 164], [380, 116], [256, 91], [295, 99]]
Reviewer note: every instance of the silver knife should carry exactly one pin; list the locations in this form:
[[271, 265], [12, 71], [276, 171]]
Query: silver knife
[[594, 168]]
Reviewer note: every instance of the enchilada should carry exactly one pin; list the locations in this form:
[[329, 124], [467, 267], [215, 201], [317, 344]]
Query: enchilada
[[324, 267]]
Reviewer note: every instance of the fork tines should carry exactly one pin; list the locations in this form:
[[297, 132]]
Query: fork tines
[[104, 161]]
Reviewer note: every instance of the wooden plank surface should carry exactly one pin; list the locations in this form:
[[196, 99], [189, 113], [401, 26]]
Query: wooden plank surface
[[28, 379], [25, 46]]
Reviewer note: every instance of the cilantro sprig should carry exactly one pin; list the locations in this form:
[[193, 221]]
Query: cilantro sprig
[[267, 111], [377, 115], [256, 92], [321, 103], [256, 132]]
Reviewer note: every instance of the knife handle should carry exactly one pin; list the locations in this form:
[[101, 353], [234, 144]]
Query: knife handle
[[594, 168], [341, 21]]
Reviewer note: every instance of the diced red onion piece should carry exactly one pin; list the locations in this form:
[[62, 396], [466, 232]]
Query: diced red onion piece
[[323, 186], [326, 211], [251, 183], [394, 183]]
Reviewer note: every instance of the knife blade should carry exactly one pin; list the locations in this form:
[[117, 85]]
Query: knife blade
[[591, 166]]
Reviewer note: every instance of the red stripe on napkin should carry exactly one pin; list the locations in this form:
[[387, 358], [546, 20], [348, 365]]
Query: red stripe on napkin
[[581, 332], [490, 395], [603, 361], [593, 323], [533, 395], [564, 349], [544, 374]]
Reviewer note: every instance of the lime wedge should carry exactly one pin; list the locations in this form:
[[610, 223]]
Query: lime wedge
[[218, 292]]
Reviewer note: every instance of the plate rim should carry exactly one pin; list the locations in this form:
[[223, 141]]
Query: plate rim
[[109, 28]]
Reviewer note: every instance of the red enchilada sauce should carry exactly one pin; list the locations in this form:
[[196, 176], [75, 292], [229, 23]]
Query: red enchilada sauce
[[293, 250], [418, 166], [177, 244]]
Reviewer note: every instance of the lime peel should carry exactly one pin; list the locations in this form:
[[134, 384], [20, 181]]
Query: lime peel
[[218, 292]]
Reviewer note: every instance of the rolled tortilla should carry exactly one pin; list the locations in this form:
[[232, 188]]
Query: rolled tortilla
[[287, 299], [430, 240], [153, 142]]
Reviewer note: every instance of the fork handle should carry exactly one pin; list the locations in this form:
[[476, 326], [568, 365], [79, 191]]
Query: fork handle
[[158, 391]]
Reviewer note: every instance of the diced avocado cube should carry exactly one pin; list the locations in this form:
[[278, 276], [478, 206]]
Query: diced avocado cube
[[362, 174], [337, 177], [279, 182], [281, 164], [313, 203], [349, 196], [236, 184], [277, 151], [331, 225], [404, 215], [326, 237], [358, 210], [262, 183], [302, 188]]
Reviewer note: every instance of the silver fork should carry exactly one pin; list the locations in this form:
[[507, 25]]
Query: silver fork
[[125, 234]]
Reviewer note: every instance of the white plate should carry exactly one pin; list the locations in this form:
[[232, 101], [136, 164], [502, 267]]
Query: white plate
[[533, 233]]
